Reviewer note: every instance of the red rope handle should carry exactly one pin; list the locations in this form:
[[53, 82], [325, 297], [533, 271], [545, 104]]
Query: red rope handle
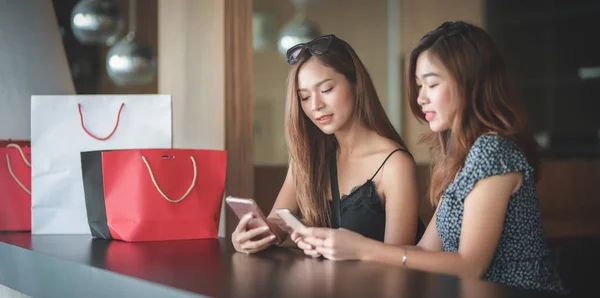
[[93, 136]]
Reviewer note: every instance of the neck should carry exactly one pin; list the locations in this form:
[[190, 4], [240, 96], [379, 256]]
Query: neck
[[353, 138]]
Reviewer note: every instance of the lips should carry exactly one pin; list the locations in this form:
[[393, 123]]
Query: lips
[[429, 115], [324, 119]]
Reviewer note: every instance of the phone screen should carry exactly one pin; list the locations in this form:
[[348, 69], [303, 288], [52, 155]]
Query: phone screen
[[289, 218], [243, 206]]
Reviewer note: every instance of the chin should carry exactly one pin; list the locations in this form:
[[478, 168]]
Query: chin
[[437, 127], [328, 131], [434, 129]]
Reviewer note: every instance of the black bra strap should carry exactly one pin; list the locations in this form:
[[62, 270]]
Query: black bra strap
[[335, 194], [381, 166]]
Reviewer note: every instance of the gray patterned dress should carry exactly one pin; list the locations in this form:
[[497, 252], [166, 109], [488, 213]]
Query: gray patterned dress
[[521, 258]]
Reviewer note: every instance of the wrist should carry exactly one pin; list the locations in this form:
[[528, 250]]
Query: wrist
[[367, 249]]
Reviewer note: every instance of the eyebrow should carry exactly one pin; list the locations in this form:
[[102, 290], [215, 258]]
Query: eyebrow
[[429, 74], [316, 85]]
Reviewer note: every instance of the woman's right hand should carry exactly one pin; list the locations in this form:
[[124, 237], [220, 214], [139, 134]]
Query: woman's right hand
[[303, 245], [243, 238]]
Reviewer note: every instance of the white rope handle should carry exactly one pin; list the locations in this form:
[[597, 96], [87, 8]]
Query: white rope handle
[[10, 168], [160, 190]]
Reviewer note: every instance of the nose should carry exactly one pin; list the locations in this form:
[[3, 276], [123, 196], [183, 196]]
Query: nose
[[317, 103], [422, 98]]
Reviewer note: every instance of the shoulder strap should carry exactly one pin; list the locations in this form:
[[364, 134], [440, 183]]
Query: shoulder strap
[[389, 155], [335, 194]]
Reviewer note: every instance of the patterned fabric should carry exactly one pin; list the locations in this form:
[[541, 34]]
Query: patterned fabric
[[521, 258]]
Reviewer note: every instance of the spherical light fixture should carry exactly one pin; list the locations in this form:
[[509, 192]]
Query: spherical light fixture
[[297, 31], [131, 61], [96, 22]]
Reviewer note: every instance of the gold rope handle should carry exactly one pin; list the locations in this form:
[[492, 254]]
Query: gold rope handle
[[11, 145], [10, 168], [160, 190]]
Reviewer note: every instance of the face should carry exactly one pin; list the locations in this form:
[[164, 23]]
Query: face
[[325, 96], [435, 92]]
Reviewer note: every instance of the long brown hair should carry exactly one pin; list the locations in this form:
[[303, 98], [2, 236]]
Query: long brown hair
[[485, 100], [310, 150]]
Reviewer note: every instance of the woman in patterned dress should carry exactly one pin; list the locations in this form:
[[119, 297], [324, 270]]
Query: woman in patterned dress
[[487, 222]]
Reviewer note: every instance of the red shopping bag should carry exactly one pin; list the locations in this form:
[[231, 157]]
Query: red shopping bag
[[21, 143], [15, 186], [154, 194]]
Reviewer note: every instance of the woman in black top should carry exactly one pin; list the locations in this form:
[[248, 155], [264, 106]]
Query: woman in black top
[[335, 124]]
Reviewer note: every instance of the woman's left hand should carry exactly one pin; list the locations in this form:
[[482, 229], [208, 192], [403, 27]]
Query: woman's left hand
[[308, 249], [334, 244]]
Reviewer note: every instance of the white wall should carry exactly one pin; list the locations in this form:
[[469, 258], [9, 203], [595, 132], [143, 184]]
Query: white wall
[[32, 62], [191, 68]]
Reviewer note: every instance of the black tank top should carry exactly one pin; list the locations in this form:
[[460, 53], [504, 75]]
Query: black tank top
[[361, 210]]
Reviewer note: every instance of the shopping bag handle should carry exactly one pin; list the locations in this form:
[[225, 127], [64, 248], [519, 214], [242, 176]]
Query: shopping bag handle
[[160, 190], [93, 136], [10, 168]]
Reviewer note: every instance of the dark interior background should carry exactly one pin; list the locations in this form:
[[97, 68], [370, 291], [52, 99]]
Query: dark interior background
[[552, 49]]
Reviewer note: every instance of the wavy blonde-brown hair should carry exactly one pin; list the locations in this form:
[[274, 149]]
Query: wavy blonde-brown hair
[[484, 97], [310, 150]]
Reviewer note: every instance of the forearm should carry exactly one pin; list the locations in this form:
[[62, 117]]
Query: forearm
[[420, 259]]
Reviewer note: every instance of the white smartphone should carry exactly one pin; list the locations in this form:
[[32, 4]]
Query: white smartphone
[[289, 219]]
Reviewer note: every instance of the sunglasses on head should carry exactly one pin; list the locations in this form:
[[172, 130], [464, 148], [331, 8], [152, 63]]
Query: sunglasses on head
[[317, 46]]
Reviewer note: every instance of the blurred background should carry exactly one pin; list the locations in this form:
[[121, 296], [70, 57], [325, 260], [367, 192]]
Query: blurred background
[[551, 47]]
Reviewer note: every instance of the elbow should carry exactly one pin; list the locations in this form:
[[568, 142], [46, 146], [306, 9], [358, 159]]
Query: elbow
[[479, 271], [472, 272], [473, 269], [476, 271]]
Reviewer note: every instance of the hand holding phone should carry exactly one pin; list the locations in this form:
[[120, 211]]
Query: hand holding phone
[[289, 219], [252, 234], [297, 225]]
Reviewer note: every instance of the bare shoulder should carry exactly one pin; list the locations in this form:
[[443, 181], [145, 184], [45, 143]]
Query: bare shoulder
[[397, 179], [398, 163], [386, 146]]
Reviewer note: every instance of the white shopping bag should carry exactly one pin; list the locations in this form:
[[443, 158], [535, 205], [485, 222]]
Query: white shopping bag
[[64, 126]]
